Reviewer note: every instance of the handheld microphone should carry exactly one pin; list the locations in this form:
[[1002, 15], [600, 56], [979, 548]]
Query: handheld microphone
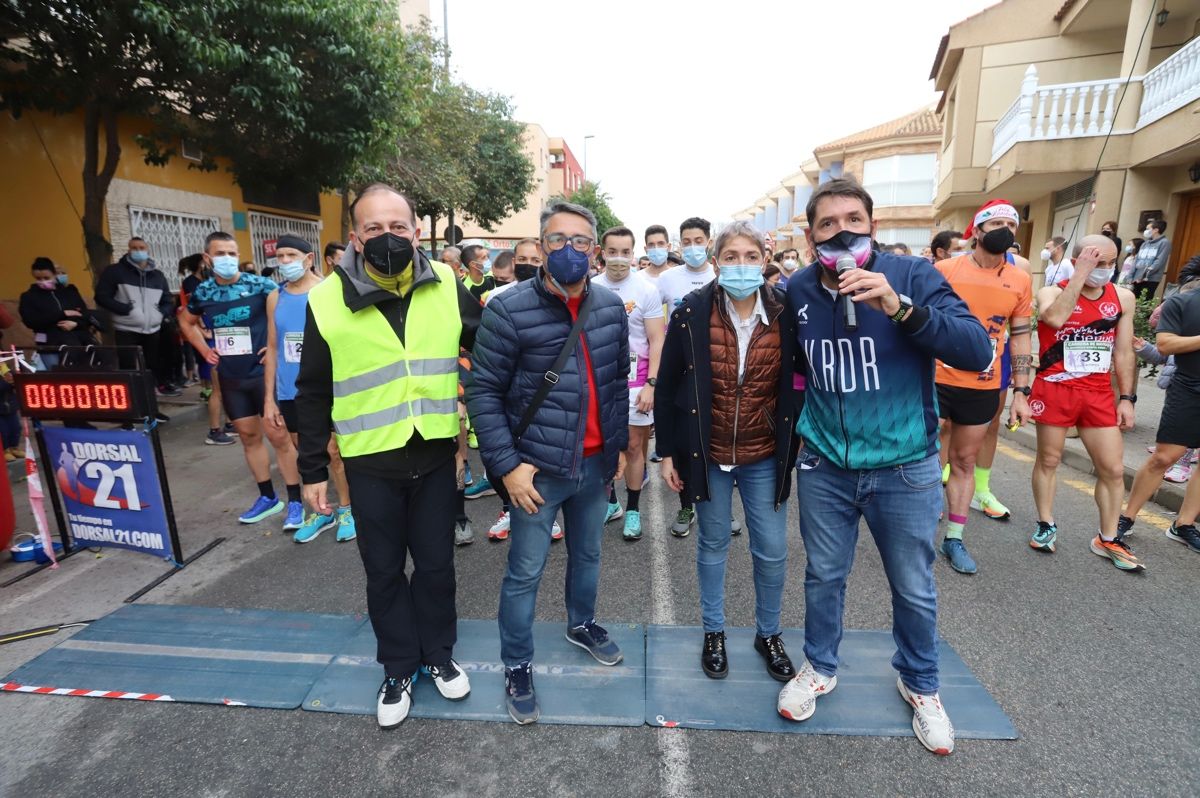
[[844, 264]]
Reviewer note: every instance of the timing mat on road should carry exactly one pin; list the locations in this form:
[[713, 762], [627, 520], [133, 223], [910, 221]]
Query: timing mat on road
[[326, 663], [865, 701]]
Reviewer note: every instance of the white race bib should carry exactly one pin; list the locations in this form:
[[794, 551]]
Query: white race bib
[[633, 359], [233, 341], [1087, 357], [293, 346]]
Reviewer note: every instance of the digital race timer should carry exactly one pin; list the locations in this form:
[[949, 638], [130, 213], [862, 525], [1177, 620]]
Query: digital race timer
[[82, 396]]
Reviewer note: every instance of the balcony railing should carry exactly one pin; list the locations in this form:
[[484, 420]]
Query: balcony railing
[[1172, 84], [1065, 110]]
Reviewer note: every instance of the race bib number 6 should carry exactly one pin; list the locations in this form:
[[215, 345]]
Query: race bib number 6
[[1087, 357], [233, 341]]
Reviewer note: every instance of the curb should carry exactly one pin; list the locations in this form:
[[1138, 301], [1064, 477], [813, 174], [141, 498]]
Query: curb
[[1168, 495]]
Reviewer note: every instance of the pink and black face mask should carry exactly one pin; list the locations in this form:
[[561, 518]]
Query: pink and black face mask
[[857, 245]]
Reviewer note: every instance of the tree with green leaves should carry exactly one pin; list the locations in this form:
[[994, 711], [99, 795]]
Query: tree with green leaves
[[598, 202], [294, 95], [464, 156]]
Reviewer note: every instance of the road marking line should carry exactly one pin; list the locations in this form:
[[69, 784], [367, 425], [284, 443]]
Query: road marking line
[[672, 744], [1151, 517]]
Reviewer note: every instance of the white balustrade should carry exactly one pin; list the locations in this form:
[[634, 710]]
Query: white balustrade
[[1067, 110], [1171, 85]]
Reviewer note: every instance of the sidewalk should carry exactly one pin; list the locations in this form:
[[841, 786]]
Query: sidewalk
[[1149, 408]]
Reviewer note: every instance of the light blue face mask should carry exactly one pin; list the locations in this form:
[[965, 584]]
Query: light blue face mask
[[695, 256], [657, 256], [291, 272], [225, 266], [487, 266], [740, 282], [139, 256]]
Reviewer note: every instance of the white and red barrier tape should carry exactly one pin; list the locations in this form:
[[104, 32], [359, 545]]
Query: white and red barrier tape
[[13, 687]]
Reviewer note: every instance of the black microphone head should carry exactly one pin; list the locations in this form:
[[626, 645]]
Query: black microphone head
[[845, 263]]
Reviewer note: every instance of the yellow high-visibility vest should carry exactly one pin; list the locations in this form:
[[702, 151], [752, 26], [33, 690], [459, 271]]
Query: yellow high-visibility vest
[[384, 389]]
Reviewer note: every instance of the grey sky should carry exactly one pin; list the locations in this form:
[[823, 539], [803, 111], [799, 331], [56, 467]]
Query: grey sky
[[698, 107]]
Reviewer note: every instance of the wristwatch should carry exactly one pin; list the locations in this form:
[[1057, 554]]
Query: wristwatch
[[652, 381], [1132, 397], [906, 305], [1024, 389]]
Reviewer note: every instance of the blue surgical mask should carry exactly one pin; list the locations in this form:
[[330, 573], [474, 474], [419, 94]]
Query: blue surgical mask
[[225, 266], [657, 256], [568, 265], [62, 279], [139, 256], [695, 256], [740, 282], [291, 272], [487, 266]]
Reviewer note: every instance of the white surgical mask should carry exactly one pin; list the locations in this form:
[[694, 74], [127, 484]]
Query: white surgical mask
[[789, 264], [1148, 232], [1129, 248], [1098, 277], [1045, 254]]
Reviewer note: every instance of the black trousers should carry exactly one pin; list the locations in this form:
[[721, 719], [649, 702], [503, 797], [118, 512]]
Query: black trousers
[[151, 352], [415, 620]]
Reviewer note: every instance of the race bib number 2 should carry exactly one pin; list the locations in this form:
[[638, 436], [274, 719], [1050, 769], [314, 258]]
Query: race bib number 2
[[293, 346], [1087, 357], [233, 341]]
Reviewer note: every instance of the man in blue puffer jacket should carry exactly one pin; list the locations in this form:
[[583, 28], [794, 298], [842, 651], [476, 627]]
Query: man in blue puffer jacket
[[571, 449]]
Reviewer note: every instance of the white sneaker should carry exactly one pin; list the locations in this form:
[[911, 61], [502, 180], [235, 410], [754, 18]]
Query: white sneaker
[[451, 680], [930, 721], [499, 530], [556, 532], [798, 698], [1179, 473], [395, 700]]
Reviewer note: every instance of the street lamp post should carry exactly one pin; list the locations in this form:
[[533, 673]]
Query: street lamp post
[[585, 141]]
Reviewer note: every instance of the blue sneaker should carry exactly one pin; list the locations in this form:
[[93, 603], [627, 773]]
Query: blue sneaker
[[295, 516], [262, 508], [346, 529], [960, 559], [1044, 538], [314, 525], [480, 488], [593, 638], [614, 512], [633, 525], [468, 477], [519, 696]]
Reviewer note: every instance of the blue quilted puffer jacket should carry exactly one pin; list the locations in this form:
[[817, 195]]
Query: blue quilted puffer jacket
[[522, 332]]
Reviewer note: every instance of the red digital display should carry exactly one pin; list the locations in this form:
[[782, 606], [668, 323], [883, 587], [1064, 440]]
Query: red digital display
[[61, 395]]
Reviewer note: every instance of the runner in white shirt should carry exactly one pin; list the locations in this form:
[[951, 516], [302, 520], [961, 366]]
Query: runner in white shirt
[[647, 329], [673, 286]]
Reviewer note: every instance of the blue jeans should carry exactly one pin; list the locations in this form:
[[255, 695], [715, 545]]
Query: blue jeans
[[901, 506], [767, 528], [583, 501]]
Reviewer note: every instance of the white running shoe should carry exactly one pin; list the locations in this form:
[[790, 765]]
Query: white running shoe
[[499, 530], [930, 721], [798, 698], [450, 680], [395, 700], [1179, 473]]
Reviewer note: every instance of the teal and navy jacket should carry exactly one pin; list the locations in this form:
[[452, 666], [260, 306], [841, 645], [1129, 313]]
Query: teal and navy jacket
[[869, 399]]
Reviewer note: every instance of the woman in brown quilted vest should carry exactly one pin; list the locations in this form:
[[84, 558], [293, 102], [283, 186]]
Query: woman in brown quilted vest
[[727, 373]]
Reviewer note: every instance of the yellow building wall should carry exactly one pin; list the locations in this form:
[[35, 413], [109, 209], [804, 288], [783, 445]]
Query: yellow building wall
[[39, 216]]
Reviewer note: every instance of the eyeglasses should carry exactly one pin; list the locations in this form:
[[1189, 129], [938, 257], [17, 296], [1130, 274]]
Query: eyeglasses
[[556, 241]]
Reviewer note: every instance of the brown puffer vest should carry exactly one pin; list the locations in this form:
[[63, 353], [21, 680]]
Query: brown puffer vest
[[743, 416]]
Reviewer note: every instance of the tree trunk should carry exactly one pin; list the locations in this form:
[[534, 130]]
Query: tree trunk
[[345, 216], [433, 253], [96, 180]]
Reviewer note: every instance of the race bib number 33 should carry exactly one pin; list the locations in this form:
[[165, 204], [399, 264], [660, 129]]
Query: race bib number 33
[[233, 341], [1087, 357]]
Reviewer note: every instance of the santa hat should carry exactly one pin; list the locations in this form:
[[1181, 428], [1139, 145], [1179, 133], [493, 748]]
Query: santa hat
[[992, 209]]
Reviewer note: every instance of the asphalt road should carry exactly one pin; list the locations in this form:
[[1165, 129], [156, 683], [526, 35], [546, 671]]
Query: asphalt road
[[1095, 667]]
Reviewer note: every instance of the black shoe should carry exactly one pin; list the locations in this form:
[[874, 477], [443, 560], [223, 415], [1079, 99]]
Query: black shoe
[[169, 390], [712, 658], [779, 664], [162, 417], [1124, 526]]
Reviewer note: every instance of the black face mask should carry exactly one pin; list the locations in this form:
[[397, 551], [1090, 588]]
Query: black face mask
[[998, 241], [389, 254], [524, 271]]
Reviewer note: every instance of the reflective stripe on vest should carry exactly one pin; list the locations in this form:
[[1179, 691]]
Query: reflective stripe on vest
[[384, 390]]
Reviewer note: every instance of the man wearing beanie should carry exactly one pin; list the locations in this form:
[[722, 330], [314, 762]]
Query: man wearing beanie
[[1000, 296]]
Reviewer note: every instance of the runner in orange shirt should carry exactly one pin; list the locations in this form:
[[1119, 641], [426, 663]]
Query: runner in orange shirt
[[1001, 296]]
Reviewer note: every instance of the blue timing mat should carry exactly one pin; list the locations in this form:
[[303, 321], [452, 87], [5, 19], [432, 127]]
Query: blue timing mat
[[204, 655], [572, 688], [865, 701]]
